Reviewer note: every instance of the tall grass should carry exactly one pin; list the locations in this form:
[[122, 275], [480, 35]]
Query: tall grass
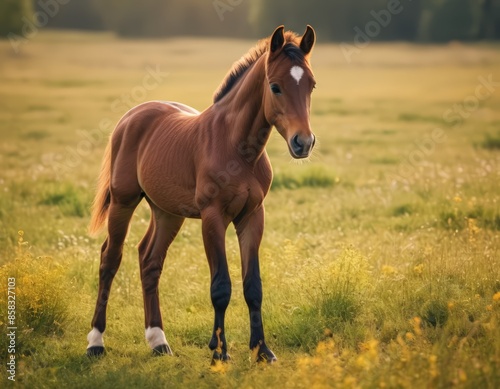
[[42, 298], [371, 277]]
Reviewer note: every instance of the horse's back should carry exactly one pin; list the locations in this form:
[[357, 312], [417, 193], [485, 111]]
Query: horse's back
[[140, 123], [181, 107], [153, 110], [156, 142]]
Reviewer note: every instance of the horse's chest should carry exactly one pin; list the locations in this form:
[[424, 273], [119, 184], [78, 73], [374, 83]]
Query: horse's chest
[[246, 199], [231, 194]]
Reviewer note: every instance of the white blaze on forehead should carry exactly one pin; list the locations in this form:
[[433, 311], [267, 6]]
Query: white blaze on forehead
[[297, 72]]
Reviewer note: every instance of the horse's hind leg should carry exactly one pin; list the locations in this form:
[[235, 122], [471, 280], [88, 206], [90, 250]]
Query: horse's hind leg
[[152, 251], [111, 255]]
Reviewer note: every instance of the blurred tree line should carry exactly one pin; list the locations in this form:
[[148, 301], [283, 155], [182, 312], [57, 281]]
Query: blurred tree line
[[414, 20], [13, 14]]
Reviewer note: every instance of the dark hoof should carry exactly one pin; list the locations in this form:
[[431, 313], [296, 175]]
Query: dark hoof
[[220, 357], [265, 355], [95, 351], [217, 343], [163, 349]]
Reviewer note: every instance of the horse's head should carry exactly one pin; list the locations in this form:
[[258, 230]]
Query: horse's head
[[290, 81]]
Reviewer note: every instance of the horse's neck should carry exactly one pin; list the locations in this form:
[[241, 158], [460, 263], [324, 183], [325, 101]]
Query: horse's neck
[[243, 112]]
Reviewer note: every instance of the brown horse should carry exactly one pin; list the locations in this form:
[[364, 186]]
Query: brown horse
[[210, 165]]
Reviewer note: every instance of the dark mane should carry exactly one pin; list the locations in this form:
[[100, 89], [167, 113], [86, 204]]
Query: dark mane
[[291, 49]]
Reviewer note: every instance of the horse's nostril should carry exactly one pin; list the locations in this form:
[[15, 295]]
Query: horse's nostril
[[297, 145]]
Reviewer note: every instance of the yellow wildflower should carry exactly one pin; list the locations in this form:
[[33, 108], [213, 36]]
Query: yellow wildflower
[[388, 270], [409, 336], [472, 225], [433, 370], [416, 325], [317, 361], [350, 381], [219, 367], [325, 348], [362, 362], [418, 269], [303, 362]]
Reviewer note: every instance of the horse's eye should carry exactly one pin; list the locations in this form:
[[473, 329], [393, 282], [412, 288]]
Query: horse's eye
[[275, 89]]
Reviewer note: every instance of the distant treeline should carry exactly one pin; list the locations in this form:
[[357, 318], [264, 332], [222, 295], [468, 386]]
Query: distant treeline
[[337, 20]]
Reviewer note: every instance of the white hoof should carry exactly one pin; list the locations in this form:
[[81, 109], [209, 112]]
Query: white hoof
[[95, 338], [155, 337]]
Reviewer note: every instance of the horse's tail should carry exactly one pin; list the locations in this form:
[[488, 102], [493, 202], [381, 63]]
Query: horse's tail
[[100, 205]]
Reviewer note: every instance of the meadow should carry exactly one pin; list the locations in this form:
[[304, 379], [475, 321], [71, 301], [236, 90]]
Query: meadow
[[381, 255]]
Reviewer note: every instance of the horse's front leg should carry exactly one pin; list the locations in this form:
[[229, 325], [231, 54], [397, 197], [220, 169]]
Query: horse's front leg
[[214, 231], [250, 229]]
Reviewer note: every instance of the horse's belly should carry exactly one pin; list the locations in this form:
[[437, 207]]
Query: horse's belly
[[169, 184], [172, 198]]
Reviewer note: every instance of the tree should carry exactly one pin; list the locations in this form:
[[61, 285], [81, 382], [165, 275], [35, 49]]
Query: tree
[[489, 27], [80, 14], [453, 20], [156, 18], [335, 20], [13, 15]]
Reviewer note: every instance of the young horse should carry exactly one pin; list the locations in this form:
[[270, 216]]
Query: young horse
[[210, 165]]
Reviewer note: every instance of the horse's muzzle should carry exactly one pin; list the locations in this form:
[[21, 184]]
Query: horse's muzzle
[[301, 146]]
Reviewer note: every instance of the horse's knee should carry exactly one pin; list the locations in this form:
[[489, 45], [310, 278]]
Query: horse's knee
[[110, 262], [150, 279], [220, 292], [252, 290], [107, 271]]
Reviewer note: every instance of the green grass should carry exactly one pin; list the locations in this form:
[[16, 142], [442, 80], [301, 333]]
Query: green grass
[[371, 279], [311, 178], [491, 142], [69, 200], [412, 117]]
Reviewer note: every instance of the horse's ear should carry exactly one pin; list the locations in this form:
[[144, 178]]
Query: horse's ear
[[277, 39], [308, 39]]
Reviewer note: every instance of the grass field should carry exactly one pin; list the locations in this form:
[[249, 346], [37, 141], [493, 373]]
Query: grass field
[[381, 255]]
